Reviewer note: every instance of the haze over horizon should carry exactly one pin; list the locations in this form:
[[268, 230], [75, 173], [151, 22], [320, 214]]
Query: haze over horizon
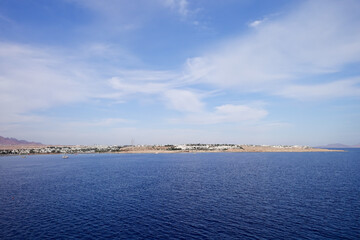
[[180, 71]]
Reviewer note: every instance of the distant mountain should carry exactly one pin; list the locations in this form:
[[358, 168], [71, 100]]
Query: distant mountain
[[339, 145], [14, 141]]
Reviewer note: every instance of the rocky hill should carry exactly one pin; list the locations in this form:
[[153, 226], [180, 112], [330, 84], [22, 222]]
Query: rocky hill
[[13, 141]]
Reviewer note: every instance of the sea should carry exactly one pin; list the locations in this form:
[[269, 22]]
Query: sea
[[310, 195]]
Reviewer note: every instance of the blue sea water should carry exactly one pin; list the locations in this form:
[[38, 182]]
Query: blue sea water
[[181, 196]]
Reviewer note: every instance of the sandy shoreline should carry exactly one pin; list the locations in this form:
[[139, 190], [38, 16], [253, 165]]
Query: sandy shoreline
[[26, 149]]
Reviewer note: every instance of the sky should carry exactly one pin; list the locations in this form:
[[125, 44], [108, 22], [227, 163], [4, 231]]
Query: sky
[[180, 71]]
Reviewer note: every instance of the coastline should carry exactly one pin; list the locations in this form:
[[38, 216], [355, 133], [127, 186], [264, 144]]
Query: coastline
[[155, 149]]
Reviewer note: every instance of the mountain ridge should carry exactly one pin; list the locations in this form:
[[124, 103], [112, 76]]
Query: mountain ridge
[[339, 145], [4, 141]]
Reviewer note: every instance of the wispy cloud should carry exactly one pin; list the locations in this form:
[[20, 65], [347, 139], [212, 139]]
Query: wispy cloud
[[258, 22], [6, 19], [115, 16], [317, 37], [183, 100], [129, 82], [127, 87], [168, 87], [121, 16], [146, 75], [181, 6], [286, 56], [228, 113], [104, 122], [112, 53], [33, 78], [183, 9], [255, 23], [324, 91]]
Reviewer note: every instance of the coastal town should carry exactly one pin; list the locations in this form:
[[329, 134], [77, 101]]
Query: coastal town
[[81, 149]]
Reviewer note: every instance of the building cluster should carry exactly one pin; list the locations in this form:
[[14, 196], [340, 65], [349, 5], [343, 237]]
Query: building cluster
[[207, 147], [138, 148], [282, 146], [61, 150]]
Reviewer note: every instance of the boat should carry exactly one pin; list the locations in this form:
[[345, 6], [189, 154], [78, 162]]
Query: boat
[[65, 156]]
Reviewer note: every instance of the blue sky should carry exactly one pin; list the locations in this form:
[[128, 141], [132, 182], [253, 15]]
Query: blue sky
[[180, 71]]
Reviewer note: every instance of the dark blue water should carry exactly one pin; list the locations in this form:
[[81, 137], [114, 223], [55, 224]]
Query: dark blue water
[[181, 196]]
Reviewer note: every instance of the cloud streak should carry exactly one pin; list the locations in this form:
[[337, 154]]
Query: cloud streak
[[335, 89], [303, 54], [228, 113], [33, 79], [181, 6], [168, 87], [317, 38]]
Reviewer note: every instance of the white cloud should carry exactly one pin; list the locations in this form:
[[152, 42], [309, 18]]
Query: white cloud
[[341, 88], [166, 86], [317, 37], [105, 122], [232, 113], [127, 87], [227, 113], [255, 23], [183, 100], [110, 52], [128, 82], [33, 79], [169, 88], [181, 6], [146, 75]]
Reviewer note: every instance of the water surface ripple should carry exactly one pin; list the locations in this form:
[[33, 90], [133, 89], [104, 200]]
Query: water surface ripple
[[181, 196]]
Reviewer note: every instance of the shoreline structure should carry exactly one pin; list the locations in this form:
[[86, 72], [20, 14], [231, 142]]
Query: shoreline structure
[[182, 148]]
